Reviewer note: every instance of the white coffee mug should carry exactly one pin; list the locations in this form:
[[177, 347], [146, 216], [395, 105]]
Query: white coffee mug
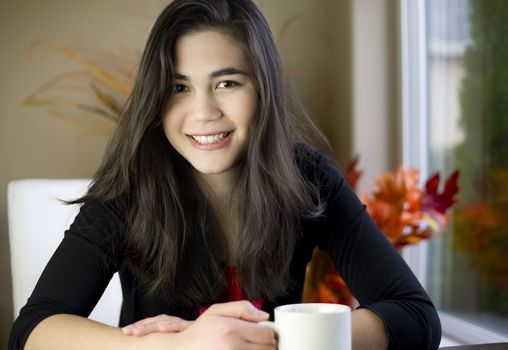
[[310, 326]]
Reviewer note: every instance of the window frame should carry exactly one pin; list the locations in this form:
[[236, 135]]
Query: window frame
[[414, 128]]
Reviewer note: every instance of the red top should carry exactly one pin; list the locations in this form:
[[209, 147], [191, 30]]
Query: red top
[[233, 290]]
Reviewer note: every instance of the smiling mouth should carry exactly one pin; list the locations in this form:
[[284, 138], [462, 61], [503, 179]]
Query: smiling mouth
[[210, 139]]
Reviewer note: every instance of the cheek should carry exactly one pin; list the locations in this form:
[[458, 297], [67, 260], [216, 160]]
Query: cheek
[[248, 110], [169, 127]]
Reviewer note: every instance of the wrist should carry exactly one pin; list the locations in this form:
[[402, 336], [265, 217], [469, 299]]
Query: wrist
[[156, 341]]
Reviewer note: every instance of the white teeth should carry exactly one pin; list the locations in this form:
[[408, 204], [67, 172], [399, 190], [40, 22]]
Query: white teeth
[[205, 140]]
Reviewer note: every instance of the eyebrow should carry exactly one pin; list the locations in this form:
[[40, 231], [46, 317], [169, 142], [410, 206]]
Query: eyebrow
[[217, 73]]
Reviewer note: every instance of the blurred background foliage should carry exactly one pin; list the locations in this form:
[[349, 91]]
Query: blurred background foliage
[[480, 225]]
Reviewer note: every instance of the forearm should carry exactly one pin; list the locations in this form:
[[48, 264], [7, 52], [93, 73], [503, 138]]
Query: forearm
[[74, 332], [368, 331]]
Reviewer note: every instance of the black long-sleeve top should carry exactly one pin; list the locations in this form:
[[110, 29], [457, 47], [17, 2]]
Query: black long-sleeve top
[[81, 267]]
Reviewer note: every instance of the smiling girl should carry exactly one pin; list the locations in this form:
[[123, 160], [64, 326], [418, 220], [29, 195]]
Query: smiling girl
[[209, 203]]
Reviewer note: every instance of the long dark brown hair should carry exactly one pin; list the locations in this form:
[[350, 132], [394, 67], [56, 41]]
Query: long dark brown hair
[[171, 243]]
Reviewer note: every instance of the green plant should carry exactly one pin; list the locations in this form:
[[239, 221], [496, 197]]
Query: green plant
[[480, 226]]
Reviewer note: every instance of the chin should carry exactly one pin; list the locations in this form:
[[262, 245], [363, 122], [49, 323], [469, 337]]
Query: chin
[[210, 170], [214, 165]]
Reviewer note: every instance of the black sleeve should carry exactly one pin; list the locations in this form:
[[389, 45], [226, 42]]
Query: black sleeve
[[76, 275], [373, 270]]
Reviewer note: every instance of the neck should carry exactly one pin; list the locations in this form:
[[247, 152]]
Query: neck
[[219, 191], [218, 188]]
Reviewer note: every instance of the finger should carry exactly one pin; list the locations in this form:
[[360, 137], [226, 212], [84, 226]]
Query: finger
[[249, 346], [164, 326], [238, 309], [174, 326], [146, 321], [248, 332], [259, 347], [258, 334]]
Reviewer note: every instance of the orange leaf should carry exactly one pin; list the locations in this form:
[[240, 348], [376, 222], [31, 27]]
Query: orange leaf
[[353, 174]]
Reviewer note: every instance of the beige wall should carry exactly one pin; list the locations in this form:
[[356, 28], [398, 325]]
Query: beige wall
[[375, 110], [343, 58], [315, 39], [33, 143]]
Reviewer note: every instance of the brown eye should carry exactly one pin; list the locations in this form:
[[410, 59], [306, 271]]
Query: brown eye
[[227, 84], [179, 88]]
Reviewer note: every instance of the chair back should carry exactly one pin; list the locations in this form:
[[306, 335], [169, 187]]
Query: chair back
[[37, 220]]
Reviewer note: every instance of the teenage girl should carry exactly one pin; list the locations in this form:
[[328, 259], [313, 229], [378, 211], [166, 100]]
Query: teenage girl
[[209, 202]]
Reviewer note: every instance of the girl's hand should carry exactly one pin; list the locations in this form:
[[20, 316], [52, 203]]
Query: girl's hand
[[161, 324], [228, 326]]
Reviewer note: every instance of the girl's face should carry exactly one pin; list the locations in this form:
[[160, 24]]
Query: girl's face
[[209, 118]]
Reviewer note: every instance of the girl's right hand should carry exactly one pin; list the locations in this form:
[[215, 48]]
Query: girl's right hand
[[225, 326]]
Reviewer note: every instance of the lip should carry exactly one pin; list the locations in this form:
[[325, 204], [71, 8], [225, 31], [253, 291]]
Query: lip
[[212, 146], [210, 133]]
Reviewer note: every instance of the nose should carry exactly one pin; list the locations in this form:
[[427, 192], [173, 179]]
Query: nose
[[205, 107]]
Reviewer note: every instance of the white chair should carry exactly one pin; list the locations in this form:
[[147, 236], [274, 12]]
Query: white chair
[[37, 221]]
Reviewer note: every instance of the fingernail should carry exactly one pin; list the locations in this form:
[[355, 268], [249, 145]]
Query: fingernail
[[261, 312]]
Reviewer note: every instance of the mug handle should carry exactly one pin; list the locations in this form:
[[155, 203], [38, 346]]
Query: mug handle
[[272, 325]]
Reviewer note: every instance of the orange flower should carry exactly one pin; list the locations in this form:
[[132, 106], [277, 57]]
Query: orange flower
[[405, 213], [333, 289]]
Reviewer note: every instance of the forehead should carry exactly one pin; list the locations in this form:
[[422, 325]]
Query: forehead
[[208, 50]]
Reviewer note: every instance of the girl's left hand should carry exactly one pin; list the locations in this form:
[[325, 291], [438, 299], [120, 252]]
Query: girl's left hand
[[160, 324]]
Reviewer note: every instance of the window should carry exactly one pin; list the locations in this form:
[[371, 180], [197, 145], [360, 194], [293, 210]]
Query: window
[[455, 115]]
